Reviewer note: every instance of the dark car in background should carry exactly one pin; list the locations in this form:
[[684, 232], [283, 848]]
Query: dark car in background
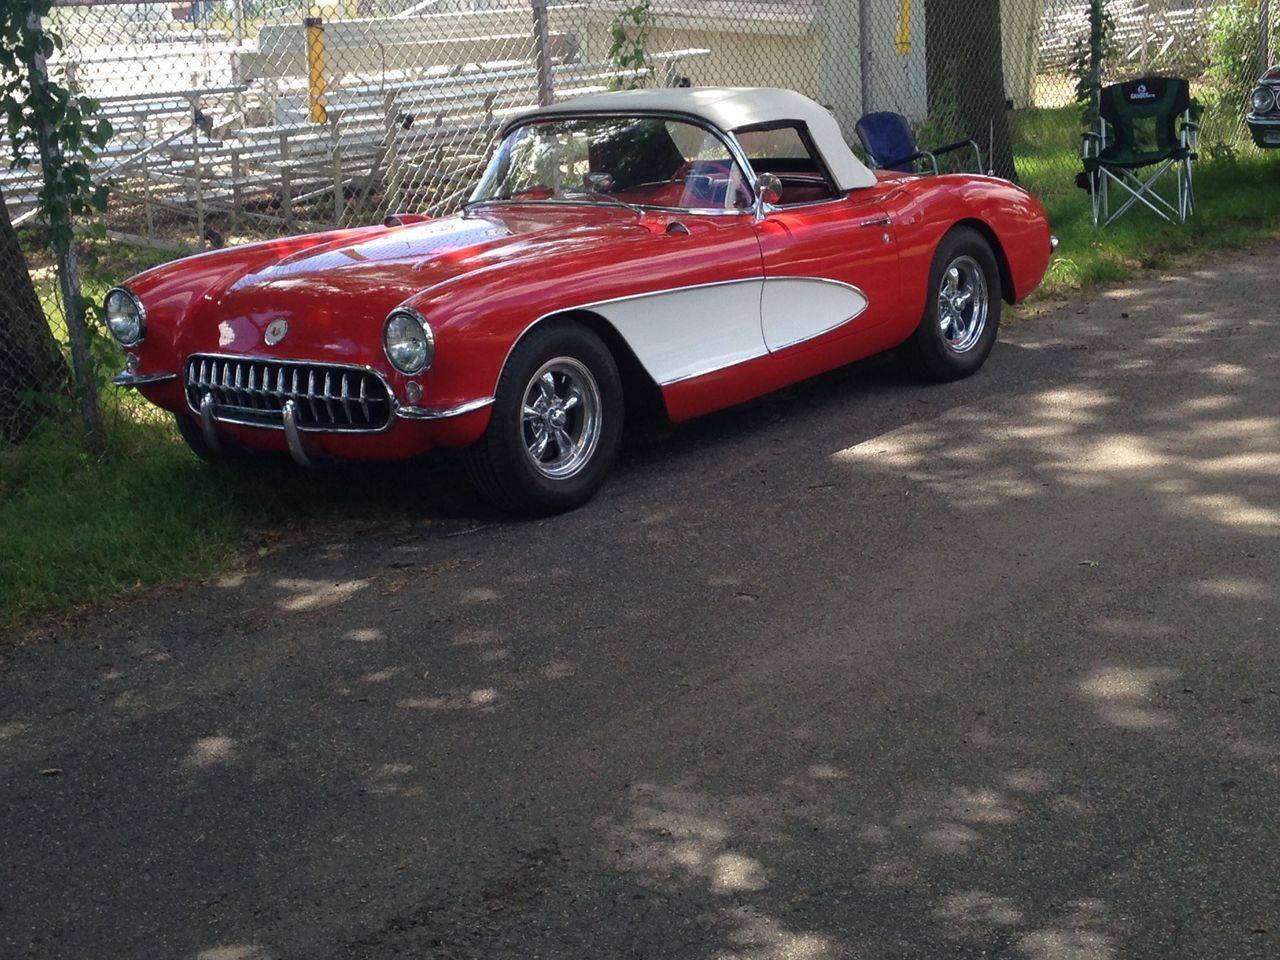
[[1264, 110]]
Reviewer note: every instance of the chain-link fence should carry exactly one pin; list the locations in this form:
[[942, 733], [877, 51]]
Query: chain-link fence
[[241, 119]]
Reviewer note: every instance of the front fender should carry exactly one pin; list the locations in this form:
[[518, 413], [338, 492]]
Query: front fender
[[926, 208]]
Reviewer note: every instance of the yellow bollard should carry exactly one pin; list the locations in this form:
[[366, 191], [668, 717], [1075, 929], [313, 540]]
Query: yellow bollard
[[904, 27], [315, 68]]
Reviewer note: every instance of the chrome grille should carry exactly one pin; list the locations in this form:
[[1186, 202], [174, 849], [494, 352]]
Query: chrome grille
[[325, 396]]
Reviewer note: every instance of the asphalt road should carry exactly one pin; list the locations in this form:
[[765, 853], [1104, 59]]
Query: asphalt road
[[865, 669]]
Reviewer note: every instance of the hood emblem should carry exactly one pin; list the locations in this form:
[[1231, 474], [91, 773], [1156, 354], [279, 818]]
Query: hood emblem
[[277, 329]]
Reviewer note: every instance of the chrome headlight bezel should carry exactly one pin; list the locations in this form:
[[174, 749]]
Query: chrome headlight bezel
[[126, 333], [408, 326], [1263, 99]]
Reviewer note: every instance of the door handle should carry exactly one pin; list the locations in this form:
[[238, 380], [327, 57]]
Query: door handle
[[878, 222]]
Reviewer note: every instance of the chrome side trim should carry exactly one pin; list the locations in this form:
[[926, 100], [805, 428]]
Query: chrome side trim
[[292, 436], [641, 296], [443, 413], [127, 379], [206, 425], [710, 370]]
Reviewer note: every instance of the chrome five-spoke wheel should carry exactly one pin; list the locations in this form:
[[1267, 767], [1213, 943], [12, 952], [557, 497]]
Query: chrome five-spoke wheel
[[561, 418], [962, 314], [556, 422], [962, 304]]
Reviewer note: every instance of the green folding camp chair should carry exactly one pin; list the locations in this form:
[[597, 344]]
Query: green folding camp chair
[[1143, 119]]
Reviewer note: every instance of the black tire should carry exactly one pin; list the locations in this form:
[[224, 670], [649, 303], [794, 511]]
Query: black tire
[[555, 456], [189, 428], [954, 338]]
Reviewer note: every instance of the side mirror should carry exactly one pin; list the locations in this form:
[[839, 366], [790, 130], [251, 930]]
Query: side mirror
[[768, 188]]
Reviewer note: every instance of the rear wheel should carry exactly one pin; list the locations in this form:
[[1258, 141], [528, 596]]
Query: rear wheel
[[556, 423], [962, 313]]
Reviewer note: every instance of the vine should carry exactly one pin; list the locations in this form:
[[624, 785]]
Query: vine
[[1088, 56], [629, 45], [61, 131], [48, 123]]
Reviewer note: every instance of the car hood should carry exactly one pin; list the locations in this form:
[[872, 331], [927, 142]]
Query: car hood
[[333, 289], [379, 271]]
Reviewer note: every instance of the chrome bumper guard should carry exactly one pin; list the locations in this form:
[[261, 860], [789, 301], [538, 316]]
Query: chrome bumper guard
[[292, 435]]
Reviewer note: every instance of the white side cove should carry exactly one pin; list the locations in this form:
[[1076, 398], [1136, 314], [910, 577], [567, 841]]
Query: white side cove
[[678, 334], [795, 309], [692, 331]]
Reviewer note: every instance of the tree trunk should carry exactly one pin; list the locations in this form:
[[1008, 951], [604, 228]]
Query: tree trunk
[[31, 366], [965, 63]]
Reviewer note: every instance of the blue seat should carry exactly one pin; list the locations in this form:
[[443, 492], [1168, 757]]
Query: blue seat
[[891, 145]]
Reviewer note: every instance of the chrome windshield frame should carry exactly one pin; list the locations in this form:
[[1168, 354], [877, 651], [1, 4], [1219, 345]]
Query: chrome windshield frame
[[727, 139]]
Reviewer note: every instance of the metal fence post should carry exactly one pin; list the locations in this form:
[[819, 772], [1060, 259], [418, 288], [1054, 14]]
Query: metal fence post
[[68, 268], [542, 52]]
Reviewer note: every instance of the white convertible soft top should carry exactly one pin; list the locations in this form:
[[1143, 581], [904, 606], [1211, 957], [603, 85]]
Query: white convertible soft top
[[732, 108]]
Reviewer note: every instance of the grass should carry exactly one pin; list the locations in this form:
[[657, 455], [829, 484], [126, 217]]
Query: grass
[[77, 527], [1237, 202]]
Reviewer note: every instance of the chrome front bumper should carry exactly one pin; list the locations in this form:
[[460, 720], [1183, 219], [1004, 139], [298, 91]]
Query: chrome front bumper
[[126, 379], [289, 415], [442, 413]]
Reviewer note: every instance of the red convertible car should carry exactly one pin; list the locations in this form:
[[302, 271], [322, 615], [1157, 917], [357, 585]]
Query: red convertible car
[[706, 244]]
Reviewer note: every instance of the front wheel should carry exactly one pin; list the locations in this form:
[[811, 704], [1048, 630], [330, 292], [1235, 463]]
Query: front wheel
[[962, 313], [556, 423], [193, 436]]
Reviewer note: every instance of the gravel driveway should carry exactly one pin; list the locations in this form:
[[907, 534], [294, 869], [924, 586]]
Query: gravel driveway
[[865, 669]]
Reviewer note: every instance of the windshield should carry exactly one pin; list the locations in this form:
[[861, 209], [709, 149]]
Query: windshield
[[637, 161]]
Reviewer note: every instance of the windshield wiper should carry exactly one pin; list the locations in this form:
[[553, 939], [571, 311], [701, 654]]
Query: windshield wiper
[[594, 194], [468, 204], [608, 198]]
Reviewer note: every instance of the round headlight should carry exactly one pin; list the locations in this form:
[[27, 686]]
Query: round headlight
[[1262, 100], [408, 341], [126, 319]]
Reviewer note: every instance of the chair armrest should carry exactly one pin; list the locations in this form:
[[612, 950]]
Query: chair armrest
[[959, 144], [1189, 134], [909, 158]]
